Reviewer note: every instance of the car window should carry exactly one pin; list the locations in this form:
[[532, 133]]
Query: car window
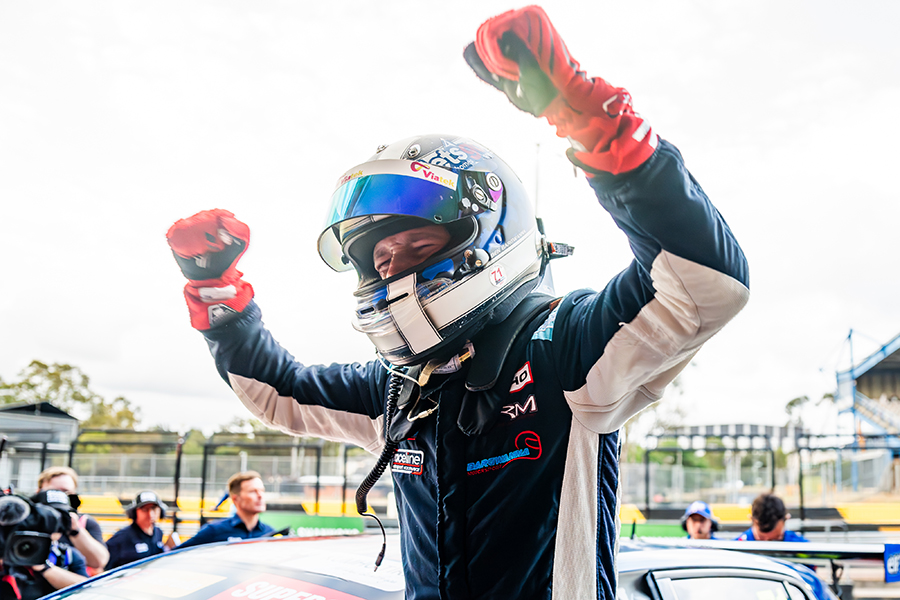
[[732, 588], [795, 592]]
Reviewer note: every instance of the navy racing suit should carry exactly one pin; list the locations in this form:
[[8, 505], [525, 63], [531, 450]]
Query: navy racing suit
[[523, 502]]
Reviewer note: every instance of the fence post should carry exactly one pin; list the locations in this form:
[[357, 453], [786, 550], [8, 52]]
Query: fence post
[[178, 449], [203, 482], [772, 467], [318, 474], [72, 449], [800, 483], [344, 484], [647, 483], [43, 456]]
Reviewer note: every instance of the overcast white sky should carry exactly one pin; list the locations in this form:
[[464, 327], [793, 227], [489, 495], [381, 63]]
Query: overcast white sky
[[118, 117]]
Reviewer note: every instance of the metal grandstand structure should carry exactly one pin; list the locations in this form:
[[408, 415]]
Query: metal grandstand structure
[[871, 389]]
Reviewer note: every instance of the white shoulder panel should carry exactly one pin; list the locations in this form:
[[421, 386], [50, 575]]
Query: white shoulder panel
[[287, 415], [692, 302]]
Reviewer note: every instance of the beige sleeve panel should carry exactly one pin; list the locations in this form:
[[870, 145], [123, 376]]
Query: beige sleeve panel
[[287, 415], [575, 567], [691, 304]]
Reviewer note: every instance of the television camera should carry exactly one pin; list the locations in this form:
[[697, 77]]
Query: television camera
[[25, 530], [27, 525]]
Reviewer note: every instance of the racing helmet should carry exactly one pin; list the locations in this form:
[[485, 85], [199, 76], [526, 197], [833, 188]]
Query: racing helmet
[[495, 256]]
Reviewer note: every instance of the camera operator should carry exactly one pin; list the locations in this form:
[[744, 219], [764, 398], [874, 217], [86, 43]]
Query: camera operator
[[85, 534], [40, 563]]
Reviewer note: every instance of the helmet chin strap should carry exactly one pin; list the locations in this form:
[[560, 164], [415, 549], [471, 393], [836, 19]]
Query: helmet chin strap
[[412, 323], [390, 368], [435, 365]]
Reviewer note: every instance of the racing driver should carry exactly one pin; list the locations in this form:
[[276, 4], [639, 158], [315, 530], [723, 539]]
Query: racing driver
[[496, 405]]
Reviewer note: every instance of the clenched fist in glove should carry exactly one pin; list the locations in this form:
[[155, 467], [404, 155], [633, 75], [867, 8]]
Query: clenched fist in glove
[[207, 247], [521, 54]]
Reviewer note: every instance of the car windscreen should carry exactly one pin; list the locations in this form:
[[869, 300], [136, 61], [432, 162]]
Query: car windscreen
[[289, 569], [733, 588]]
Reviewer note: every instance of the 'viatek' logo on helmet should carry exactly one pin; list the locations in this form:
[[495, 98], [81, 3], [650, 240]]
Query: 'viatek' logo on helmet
[[431, 174]]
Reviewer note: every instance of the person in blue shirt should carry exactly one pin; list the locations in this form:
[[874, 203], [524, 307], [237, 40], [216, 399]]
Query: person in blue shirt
[[698, 521], [768, 520], [142, 538], [247, 494]]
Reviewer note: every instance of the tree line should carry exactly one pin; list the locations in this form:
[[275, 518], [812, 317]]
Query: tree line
[[68, 388]]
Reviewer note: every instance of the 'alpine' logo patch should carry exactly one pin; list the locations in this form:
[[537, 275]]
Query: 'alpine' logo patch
[[521, 378], [410, 462]]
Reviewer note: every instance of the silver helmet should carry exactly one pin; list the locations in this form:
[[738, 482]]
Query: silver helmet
[[495, 256]]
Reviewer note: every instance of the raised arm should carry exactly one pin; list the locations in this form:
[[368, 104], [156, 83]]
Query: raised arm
[[337, 402], [617, 350]]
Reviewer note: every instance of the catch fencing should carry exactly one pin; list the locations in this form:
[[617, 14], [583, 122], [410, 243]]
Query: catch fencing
[[302, 475]]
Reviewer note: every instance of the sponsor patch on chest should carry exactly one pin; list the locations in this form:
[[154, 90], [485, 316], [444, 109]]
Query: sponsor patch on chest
[[516, 410], [521, 378], [527, 447], [409, 462]]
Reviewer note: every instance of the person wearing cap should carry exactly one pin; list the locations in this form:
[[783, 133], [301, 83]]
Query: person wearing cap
[[142, 538], [247, 494], [698, 521], [85, 533], [768, 520]]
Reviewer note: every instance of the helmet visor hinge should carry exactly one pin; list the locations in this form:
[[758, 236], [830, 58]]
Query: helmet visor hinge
[[475, 260]]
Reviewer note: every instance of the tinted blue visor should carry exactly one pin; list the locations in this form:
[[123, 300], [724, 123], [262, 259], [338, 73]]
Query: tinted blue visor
[[386, 188]]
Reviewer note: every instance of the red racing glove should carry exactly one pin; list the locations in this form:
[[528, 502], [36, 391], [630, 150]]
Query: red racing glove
[[207, 247], [520, 53]]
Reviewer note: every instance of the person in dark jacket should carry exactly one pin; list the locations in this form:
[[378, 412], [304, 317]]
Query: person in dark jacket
[[143, 537], [495, 403]]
